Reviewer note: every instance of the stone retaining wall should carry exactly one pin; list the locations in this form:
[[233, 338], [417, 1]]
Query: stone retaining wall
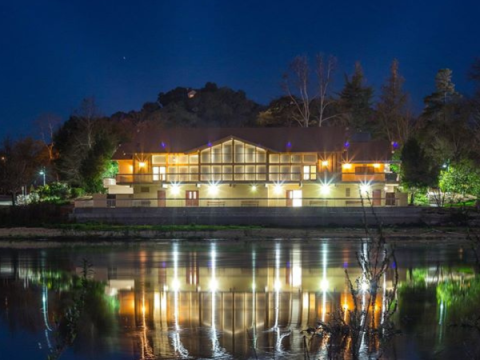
[[276, 216]]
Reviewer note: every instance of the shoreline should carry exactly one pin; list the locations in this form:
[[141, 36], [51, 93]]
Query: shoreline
[[23, 237]]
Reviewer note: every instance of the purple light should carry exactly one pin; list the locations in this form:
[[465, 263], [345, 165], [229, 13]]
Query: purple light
[[345, 265], [347, 144], [289, 144], [394, 265], [395, 144], [209, 144], [163, 145]]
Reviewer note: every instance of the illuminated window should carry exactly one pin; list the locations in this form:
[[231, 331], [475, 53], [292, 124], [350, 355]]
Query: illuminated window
[[309, 172], [159, 173]]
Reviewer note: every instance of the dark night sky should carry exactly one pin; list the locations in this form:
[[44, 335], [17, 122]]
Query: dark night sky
[[55, 53]]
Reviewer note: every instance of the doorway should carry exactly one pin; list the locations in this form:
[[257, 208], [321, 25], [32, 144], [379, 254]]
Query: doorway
[[191, 198], [294, 198], [162, 199]]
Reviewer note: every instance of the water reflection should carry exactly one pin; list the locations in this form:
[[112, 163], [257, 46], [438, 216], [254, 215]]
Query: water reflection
[[228, 300]]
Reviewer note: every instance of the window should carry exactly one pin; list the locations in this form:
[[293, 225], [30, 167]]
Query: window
[[361, 170], [159, 159], [182, 159], [239, 155], [193, 159], [249, 154], [183, 173], [310, 158], [250, 172], [347, 192], [239, 173], [205, 156], [193, 173], [205, 170], [227, 152], [159, 173], [227, 173], [285, 159], [172, 173], [296, 173], [217, 154], [216, 173], [285, 173], [273, 176], [273, 158], [296, 159], [144, 189], [261, 156], [309, 172], [261, 172]]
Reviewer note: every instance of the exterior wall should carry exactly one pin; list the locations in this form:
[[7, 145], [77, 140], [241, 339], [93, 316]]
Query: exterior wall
[[286, 179]]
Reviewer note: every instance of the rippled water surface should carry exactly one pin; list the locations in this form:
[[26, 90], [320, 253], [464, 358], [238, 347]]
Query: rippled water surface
[[224, 300]]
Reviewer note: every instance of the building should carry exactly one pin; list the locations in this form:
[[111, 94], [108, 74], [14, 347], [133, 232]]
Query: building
[[257, 167]]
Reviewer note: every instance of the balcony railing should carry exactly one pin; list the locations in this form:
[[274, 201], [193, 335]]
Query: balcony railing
[[237, 202], [248, 177]]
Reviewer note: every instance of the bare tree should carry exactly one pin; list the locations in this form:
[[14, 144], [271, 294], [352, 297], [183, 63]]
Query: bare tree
[[296, 81], [324, 72], [297, 86]]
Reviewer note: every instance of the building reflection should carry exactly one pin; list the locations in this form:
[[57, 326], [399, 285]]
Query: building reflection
[[191, 299]]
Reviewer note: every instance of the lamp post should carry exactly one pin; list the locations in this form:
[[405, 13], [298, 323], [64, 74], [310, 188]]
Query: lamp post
[[42, 172]]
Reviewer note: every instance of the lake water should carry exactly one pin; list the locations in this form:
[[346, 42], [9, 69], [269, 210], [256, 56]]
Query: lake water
[[236, 300]]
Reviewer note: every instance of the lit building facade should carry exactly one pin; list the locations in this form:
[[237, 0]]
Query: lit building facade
[[251, 167]]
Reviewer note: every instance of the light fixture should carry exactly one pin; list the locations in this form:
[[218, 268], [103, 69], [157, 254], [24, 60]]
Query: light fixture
[[175, 285], [325, 189], [376, 165], [277, 285], [278, 189], [347, 166], [141, 164], [324, 285], [175, 189], [213, 189], [254, 188], [325, 163], [213, 285], [364, 188]]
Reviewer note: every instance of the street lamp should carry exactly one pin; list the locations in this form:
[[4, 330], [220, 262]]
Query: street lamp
[[42, 172]]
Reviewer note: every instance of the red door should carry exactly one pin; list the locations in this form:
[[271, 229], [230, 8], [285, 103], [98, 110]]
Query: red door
[[377, 197], [191, 198], [162, 199], [289, 198]]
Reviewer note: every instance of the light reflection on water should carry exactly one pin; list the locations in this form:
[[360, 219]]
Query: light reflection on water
[[225, 300]]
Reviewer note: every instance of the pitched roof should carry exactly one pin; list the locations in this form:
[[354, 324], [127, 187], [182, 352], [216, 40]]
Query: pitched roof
[[184, 140], [369, 151]]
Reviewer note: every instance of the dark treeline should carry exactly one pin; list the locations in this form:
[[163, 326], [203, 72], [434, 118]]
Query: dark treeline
[[438, 147]]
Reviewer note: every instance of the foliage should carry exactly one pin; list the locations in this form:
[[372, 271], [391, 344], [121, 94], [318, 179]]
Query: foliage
[[418, 170], [356, 102], [394, 119], [20, 161], [461, 179], [85, 144], [55, 192]]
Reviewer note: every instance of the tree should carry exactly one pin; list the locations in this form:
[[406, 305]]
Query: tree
[[280, 112], [356, 102], [324, 73], [393, 114], [310, 105], [461, 179], [418, 171], [445, 122], [210, 106], [85, 144], [19, 166]]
